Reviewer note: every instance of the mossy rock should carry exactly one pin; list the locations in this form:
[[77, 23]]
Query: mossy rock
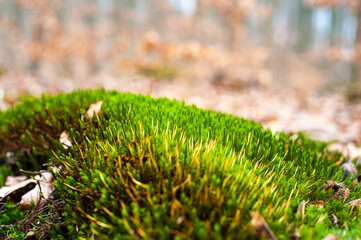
[[159, 169]]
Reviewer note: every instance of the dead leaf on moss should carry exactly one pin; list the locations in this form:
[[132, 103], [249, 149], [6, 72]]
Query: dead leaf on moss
[[342, 192], [330, 237], [13, 180], [94, 108], [339, 162], [320, 204], [30, 235], [44, 187], [64, 140], [354, 184], [260, 226], [354, 203], [349, 167], [17, 189], [332, 184]]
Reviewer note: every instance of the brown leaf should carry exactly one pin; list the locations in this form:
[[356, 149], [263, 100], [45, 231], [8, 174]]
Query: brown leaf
[[13, 180], [260, 226], [354, 184], [15, 190], [354, 203], [64, 140], [330, 237], [95, 107], [349, 167], [343, 192], [44, 186], [320, 204], [30, 235], [339, 162], [332, 184]]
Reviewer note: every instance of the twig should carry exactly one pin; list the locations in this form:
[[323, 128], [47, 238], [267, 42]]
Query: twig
[[33, 172], [8, 226]]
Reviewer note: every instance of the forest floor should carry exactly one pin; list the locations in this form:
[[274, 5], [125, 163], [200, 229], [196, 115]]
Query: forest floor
[[323, 116]]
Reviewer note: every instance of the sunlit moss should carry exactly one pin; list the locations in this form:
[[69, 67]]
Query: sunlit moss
[[158, 169]]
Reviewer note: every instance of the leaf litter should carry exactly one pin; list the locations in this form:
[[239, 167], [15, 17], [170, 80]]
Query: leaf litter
[[94, 108], [64, 140], [261, 227]]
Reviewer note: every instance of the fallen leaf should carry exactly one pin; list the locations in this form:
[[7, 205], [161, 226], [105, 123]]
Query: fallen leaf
[[339, 162], [343, 192], [17, 189], [320, 204], [30, 235], [332, 184], [13, 180], [330, 237], [64, 140], [260, 226], [354, 203], [349, 167], [95, 107], [44, 186], [354, 184]]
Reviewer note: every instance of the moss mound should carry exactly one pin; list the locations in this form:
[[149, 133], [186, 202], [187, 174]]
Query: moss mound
[[158, 169]]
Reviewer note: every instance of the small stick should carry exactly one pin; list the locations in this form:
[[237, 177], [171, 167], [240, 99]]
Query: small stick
[[32, 172]]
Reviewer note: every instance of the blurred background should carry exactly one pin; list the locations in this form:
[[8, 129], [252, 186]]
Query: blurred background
[[289, 65]]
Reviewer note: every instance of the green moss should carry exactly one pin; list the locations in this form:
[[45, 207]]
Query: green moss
[[10, 216], [158, 169], [4, 172]]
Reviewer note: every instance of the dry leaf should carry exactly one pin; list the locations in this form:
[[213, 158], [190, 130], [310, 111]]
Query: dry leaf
[[320, 204], [332, 184], [354, 184], [95, 107], [349, 167], [301, 208], [343, 192], [260, 226], [330, 237], [339, 162], [13, 180], [354, 203], [16, 189], [30, 235], [44, 186], [64, 140]]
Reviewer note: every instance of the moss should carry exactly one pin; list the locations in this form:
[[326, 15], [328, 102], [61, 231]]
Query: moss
[[10, 216], [158, 169], [4, 172]]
